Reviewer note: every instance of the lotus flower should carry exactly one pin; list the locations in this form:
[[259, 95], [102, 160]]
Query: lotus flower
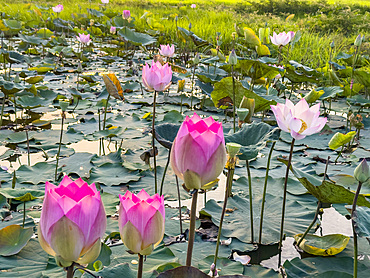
[[193, 6], [300, 120], [198, 153], [141, 221], [84, 39], [113, 30], [282, 38], [58, 8], [105, 1], [126, 14], [167, 50], [157, 77], [72, 222]]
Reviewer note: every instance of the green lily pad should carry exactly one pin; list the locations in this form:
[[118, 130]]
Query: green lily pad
[[38, 173], [166, 134], [135, 37], [112, 174], [328, 245], [340, 139], [252, 137], [13, 238], [223, 94], [22, 194], [362, 221]]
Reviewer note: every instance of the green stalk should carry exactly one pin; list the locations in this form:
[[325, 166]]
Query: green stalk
[[140, 266], [179, 197], [192, 87], [264, 191], [355, 249], [234, 98], [105, 112], [312, 223], [164, 172], [284, 201], [341, 150], [250, 199], [24, 213], [28, 149], [60, 144], [193, 213], [153, 144], [70, 271], [229, 181], [15, 112], [2, 111]]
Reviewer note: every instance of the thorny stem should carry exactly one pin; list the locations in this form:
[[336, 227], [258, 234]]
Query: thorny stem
[[179, 198], [264, 191], [60, 144], [153, 144], [284, 201], [355, 249], [250, 199], [229, 181], [193, 213]]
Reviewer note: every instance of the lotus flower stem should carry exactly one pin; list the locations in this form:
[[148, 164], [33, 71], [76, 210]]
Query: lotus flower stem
[[179, 197], [264, 190], [192, 88], [60, 144], [70, 271], [153, 144], [28, 149], [24, 213], [15, 111], [105, 111], [234, 99], [250, 199], [341, 150], [229, 181], [140, 266], [284, 201], [164, 172], [355, 247], [312, 223], [2, 110], [193, 213]]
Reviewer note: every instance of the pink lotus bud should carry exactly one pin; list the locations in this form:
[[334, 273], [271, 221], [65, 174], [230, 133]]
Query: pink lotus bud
[[141, 221], [105, 1], [113, 30], [193, 6], [84, 39], [126, 14], [300, 120], [72, 222], [157, 77], [282, 38], [167, 50], [198, 154], [58, 8]]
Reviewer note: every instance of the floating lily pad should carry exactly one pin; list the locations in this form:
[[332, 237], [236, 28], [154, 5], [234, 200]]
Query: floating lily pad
[[13, 238], [328, 245]]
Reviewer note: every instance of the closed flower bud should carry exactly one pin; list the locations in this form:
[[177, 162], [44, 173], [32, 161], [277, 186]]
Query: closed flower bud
[[358, 41], [362, 172], [233, 59], [63, 103]]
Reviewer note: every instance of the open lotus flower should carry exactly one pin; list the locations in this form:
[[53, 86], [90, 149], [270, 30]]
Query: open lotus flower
[[126, 14], [198, 153], [167, 50], [141, 221], [300, 120], [113, 30], [58, 8], [105, 1], [157, 77], [282, 38], [84, 39], [193, 6], [72, 222]]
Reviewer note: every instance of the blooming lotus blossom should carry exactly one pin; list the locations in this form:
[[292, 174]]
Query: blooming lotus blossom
[[84, 39], [126, 14], [193, 6], [58, 8], [141, 221], [198, 153], [282, 38], [72, 222], [299, 120], [113, 30], [157, 77], [105, 1], [167, 50]]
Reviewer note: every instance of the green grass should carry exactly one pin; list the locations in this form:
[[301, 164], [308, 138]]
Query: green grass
[[217, 16]]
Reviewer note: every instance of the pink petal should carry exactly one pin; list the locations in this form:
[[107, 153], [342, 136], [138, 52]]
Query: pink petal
[[140, 214]]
